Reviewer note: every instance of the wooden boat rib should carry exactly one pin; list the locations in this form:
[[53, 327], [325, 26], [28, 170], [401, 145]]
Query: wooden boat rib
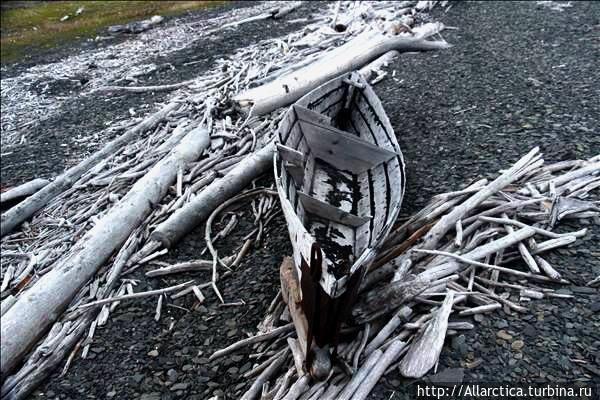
[[340, 177]]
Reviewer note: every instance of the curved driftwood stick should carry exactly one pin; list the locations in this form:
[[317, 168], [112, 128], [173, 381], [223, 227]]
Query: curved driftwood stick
[[508, 221], [441, 270], [254, 339], [352, 55], [42, 304], [137, 295], [200, 207], [24, 190], [190, 266], [28, 207]]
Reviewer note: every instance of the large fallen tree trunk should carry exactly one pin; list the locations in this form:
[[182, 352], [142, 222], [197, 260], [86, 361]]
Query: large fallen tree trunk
[[21, 212], [200, 207], [24, 190], [352, 55], [42, 304]]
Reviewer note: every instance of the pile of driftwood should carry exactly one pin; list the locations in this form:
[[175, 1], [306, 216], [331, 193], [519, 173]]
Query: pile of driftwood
[[454, 256], [68, 248]]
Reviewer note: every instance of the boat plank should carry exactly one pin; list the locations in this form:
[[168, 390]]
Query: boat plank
[[327, 211], [343, 150], [304, 114], [363, 232], [290, 155]]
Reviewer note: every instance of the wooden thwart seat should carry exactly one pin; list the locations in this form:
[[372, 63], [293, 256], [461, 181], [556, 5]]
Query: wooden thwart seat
[[329, 212], [341, 149]]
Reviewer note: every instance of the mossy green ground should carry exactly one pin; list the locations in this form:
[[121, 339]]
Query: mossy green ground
[[39, 25]]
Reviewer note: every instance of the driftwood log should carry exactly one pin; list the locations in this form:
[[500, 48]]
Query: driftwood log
[[42, 304], [353, 55], [200, 207], [27, 208], [24, 190]]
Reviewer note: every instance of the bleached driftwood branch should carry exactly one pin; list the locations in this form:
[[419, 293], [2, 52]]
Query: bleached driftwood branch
[[27, 208], [353, 55], [39, 306], [24, 190]]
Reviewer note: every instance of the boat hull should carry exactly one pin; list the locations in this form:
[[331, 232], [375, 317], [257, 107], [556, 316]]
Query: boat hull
[[340, 178]]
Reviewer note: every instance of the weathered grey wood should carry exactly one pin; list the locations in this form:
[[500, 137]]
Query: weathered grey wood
[[190, 266], [295, 171], [425, 351], [452, 266], [342, 150], [7, 303], [351, 193], [448, 221], [326, 210], [354, 54], [39, 306], [256, 387], [390, 355], [28, 207], [382, 301], [304, 114], [290, 155], [399, 317], [199, 208], [298, 388], [24, 190]]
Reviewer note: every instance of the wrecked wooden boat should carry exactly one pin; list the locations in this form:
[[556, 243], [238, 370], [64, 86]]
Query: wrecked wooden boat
[[340, 178]]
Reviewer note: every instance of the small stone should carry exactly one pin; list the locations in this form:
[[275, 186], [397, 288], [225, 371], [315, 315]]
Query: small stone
[[153, 353], [459, 343], [187, 367], [502, 334], [584, 289], [137, 378], [180, 386], [232, 333], [501, 324], [172, 375], [449, 375], [530, 331], [595, 306], [111, 394], [517, 345], [150, 396], [474, 364]]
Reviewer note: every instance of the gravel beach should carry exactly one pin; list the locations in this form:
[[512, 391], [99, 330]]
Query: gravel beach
[[519, 75]]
